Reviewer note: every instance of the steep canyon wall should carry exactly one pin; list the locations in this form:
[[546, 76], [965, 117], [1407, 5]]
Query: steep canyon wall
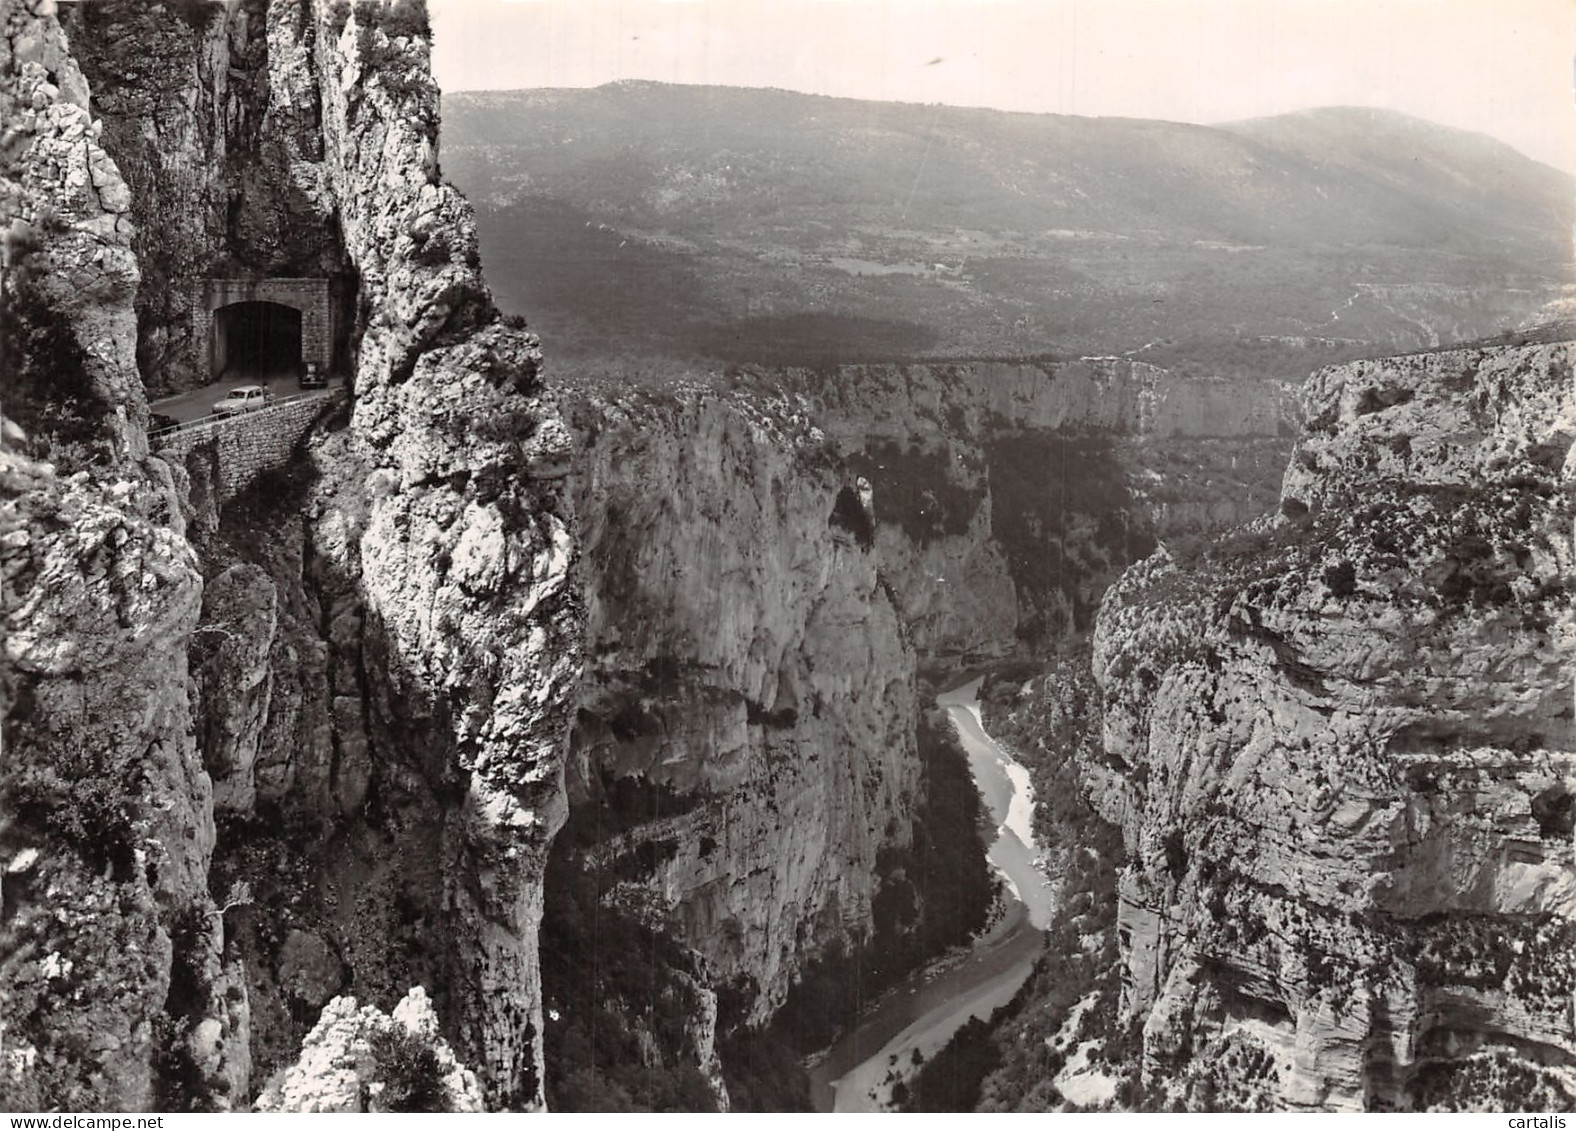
[[1340, 745], [767, 559], [333, 712], [217, 130], [1009, 494], [746, 655]]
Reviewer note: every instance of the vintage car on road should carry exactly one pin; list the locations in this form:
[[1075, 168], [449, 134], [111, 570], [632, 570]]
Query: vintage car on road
[[243, 399], [313, 378]]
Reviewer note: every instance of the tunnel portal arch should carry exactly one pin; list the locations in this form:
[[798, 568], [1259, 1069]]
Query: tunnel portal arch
[[263, 320], [256, 337]]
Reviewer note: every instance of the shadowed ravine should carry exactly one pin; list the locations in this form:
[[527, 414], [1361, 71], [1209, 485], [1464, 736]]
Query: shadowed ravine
[[924, 1011]]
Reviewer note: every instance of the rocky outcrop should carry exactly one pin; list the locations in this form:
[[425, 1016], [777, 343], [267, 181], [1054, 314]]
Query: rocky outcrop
[[160, 86], [420, 669], [245, 445], [1345, 758], [1098, 393], [71, 271], [749, 677], [358, 1059], [471, 627]]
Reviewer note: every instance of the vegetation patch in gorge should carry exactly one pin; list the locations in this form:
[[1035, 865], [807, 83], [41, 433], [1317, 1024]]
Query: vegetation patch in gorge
[[619, 996], [1067, 523]]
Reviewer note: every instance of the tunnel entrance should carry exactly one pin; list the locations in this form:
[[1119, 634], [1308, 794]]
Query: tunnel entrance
[[263, 327], [256, 339]]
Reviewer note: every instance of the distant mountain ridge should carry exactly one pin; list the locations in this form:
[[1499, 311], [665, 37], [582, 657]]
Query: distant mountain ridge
[[1375, 124], [993, 231], [1394, 147]]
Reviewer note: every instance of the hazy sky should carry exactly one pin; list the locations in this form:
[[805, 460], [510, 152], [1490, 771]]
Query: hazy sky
[[1503, 67]]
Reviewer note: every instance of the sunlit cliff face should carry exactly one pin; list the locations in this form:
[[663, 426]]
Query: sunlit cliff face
[[1347, 741], [405, 586]]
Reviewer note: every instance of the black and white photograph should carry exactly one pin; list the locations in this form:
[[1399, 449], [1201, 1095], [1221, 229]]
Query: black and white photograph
[[772, 556]]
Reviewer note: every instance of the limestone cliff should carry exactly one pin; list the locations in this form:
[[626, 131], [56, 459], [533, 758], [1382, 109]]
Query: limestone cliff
[[422, 678], [71, 273], [1011, 493], [361, 1060], [744, 749], [105, 822], [382, 668], [1341, 748], [470, 629], [746, 656]]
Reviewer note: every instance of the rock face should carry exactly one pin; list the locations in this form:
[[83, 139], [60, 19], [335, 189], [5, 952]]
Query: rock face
[[749, 676], [68, 246], [1345, 758], [384, 664], [108, 828], [105, 821], [471, 629]]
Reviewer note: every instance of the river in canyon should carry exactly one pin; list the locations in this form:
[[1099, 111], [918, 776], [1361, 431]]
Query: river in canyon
[[924, 1011]]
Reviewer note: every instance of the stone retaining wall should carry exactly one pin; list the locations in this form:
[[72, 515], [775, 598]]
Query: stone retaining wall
[[248, 443]]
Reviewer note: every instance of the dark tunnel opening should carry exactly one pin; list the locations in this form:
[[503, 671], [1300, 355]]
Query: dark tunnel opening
[[257, 340]]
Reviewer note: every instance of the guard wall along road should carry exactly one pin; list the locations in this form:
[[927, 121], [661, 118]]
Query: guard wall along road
[[248, 443]]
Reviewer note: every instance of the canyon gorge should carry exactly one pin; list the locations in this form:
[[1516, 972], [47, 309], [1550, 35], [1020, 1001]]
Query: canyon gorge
[[561, 740]]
